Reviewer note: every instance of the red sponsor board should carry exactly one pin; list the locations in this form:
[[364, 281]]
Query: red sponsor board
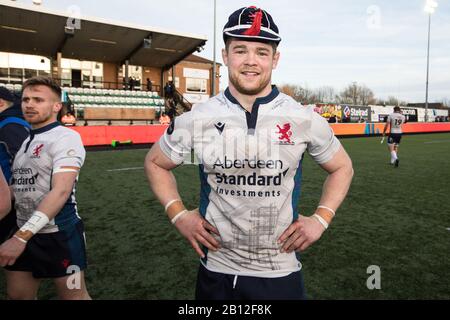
[[104, 135], [347, 129]]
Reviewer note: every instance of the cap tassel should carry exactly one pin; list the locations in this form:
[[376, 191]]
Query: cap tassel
[[256, 25]]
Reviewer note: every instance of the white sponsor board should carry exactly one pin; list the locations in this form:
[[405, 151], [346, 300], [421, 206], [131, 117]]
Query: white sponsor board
[[378, 111], [195, 73]]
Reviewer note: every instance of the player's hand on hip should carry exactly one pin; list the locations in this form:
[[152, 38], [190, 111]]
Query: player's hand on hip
[[301, 234], [197, 230], [10, 250]]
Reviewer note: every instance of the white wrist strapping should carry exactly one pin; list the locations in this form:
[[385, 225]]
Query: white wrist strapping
[[20, 239], [321, 220], [169, 203], [178, 216], [329, 209], [37, 221]]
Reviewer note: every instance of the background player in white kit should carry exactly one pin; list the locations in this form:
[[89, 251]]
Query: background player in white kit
[[49, 242], [395, 121], [249, 231]]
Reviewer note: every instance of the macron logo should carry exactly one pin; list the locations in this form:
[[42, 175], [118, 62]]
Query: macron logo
[[219, 126]]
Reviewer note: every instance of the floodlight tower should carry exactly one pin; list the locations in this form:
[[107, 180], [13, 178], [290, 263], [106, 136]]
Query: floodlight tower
[[430, 7]]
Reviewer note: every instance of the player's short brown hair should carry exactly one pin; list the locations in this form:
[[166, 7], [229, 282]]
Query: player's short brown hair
[[44, 81]]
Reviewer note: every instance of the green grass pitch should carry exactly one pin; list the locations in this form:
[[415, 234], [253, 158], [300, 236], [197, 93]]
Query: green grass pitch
[[395, 218]]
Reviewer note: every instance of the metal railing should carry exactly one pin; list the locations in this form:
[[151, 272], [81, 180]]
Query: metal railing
[[94, 84]]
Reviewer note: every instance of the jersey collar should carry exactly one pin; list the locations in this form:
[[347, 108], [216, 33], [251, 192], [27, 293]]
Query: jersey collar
[[261, 100], [252, 117], [46, 128]]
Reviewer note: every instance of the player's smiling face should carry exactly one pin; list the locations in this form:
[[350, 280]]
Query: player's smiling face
[[40, 105], [250, 66]]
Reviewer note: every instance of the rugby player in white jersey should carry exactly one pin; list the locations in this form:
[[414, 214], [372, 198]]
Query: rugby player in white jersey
[[395, 121], [249, 141], [49, 242]]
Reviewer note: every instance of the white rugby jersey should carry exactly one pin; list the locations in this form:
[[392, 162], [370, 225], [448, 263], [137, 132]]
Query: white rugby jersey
[[396, 120], [41, 155], [250, 172]]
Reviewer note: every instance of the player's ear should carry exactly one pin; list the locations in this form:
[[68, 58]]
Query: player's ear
[[57, 106], [225, 56], [276, 58]]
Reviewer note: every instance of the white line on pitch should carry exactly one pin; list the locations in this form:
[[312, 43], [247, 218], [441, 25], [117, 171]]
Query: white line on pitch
[[437, 141], [126, 169]]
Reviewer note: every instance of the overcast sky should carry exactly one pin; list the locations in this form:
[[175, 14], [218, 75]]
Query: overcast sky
[[379, 43]]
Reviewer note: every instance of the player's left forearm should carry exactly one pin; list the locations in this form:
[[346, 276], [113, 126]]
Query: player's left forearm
[[336, 186], [340, 174]]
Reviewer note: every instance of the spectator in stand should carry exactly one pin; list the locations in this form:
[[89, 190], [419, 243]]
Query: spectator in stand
[[168, 90], [164, 119], [149, 84], [332, 119], [69, 119]]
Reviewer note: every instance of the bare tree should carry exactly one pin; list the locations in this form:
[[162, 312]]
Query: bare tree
[[352, 94], [288, 89], [297, 92], [306, 95], [391, 101], [349, 94], [325, 94], [357, 95], [365, 95]]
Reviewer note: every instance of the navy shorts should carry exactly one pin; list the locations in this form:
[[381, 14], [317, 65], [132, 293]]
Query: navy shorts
[[220, 286], [394, 138], [54, 255]]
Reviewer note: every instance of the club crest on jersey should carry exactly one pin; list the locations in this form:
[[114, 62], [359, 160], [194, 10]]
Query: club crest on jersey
[[284, 134], [37, 151]]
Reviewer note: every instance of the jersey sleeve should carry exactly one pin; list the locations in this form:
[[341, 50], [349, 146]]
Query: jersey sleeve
[[322, 144], [68, 152], [176, 142]]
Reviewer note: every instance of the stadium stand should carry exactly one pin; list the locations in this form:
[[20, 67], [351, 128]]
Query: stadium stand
[[114, 104]]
